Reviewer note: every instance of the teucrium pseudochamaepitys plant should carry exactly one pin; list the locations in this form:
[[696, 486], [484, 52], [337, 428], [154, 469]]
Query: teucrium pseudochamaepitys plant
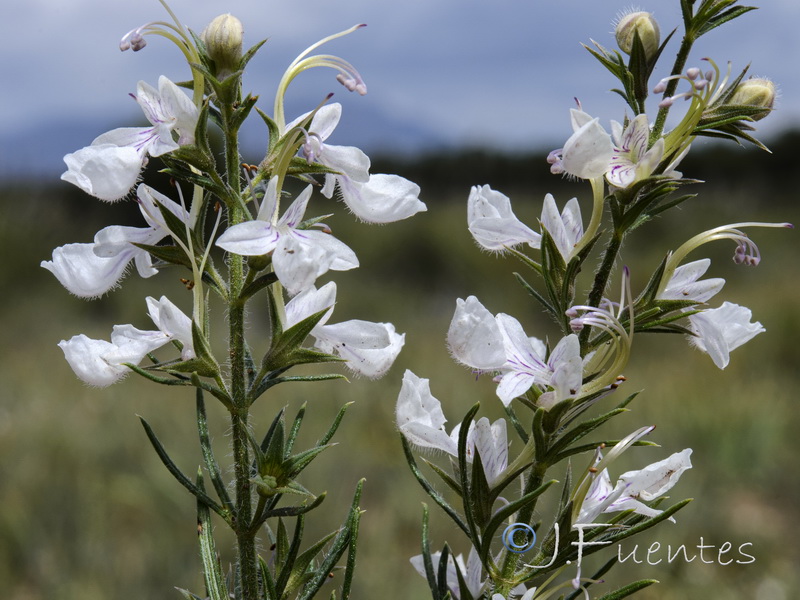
[[271, 249], [547, 386]]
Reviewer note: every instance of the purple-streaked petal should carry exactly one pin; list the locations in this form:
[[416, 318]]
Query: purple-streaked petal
[[251, 238]]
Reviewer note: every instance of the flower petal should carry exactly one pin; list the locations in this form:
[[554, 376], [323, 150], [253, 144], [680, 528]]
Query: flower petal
[[382, 199], [369, 348], [419, 416], [588, 151], [251, 238], [83, 273], [105, 171], [474, 338]]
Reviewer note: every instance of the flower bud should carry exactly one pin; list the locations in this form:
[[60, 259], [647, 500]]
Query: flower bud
[[645, 25], [223, 40], [755, 92]]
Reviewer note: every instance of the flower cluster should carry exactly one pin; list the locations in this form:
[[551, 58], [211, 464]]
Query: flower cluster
[[241, 232], [557, 378]]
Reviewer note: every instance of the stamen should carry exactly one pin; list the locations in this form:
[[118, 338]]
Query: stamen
[[134, 40], [555, 161]]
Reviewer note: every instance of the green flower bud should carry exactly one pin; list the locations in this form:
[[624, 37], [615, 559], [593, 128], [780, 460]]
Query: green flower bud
[[223, 40], [642, 23], [756, 92]]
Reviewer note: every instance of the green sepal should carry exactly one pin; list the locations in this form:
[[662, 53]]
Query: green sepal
[[242, 111], [430, 490], [286, 350], [272, 130], [648, 295], [199, 154], [267, 486], [250, 53], [294, 465], [204, 363], [479, 501], [300, 166], [212, 570]]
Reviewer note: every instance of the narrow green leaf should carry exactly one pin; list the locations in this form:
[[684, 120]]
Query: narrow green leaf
[[506, 511], [629, 589], [212, 570], [177, 474], [429, 489], [288, 563], [208, 455]]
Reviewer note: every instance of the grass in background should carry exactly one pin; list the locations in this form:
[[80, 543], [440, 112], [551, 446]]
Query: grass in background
[[89, 513]]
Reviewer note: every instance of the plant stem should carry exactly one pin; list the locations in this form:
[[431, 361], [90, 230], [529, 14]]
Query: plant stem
[[505, 582], [240, 411], [601, 280], [677, 68]]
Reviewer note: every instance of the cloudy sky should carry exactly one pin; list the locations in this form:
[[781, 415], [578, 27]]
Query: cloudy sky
[[441, 73]]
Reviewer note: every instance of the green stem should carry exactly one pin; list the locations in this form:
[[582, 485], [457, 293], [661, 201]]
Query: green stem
[[601, 280], [245, 537], [677, 68], [506, 581]]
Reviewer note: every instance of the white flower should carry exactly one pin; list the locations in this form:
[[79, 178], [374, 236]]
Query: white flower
[[498, 343], [421, 420], [100, 363], [565, 229], [646, 484], [525, 365], [90, 270], [632, 161], [721, 330], [110, 166], [368, 348], [492, 222], [372, 198], [685, 285], [588, 151], [474, 337], [299, 256]]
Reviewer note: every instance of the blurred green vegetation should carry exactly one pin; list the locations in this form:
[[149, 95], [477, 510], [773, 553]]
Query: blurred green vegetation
[[88, 512]]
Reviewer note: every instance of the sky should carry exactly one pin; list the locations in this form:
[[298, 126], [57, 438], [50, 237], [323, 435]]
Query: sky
[[442, 74]]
